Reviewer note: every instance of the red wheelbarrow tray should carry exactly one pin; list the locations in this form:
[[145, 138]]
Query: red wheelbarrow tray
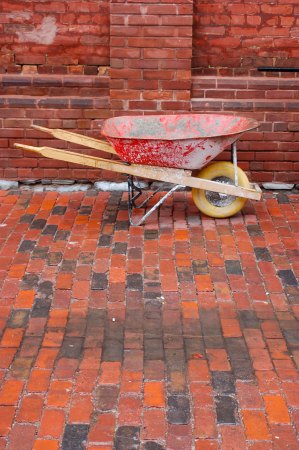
[[183, 141], [159, 147]]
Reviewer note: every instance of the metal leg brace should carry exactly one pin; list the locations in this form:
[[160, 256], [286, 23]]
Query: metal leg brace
[[235, 162], [134, 192]]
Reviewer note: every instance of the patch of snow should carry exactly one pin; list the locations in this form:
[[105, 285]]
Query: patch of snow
[[278, 186], [7, 184], [56, 188], [72, 188], [113, 186]]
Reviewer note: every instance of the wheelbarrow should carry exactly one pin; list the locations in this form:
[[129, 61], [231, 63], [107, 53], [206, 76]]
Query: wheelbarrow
[[177, 149]]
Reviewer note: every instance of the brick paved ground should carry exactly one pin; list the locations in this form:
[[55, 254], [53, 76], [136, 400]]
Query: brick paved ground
[[175, 335]]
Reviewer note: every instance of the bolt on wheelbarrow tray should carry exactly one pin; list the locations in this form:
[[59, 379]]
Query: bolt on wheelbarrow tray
[[170, 148]]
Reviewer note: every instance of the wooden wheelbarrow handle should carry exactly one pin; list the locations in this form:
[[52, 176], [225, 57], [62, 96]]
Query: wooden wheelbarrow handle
[[175, 176], [76, 138]]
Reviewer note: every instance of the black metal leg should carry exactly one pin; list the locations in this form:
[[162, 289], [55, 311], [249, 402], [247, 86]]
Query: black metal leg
[[132, 196]]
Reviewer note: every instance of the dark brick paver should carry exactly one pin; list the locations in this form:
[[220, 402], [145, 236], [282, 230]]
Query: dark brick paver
[[177, 335]]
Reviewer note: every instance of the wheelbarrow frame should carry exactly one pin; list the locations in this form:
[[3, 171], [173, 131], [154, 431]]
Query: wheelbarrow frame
[[179, 177]]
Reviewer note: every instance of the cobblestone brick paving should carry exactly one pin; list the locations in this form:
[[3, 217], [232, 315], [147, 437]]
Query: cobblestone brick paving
[[179, 335]]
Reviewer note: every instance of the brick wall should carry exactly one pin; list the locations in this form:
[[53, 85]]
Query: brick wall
[[270, 153], [54, 36], [150, 56], [230, 41], [238, 36], [72, 102], [54, 58]]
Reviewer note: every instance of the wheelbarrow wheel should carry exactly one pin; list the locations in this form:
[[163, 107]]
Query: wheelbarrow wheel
[[216, 204]]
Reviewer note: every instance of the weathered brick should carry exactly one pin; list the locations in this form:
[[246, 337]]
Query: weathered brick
[[75, 436], [178, 409], [226, 409], [139, 368], [127, 437]]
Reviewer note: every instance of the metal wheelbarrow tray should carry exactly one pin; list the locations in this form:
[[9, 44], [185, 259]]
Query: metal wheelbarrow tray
[[168, 148]]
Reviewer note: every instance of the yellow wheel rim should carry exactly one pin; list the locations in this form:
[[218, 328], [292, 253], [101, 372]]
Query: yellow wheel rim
[[220, 205]]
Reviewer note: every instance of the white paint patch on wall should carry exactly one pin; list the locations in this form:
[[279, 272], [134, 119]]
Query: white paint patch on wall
[[45, 33]]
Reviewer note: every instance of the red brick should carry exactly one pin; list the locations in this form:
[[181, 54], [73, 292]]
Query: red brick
[[91, 359], [12, 337], [80, 409], [254, 338], [6, 419], [53, 338], [103, 429], [39, 380], [292, 394], [17, 271], [284, 437], [198, 370], [278, 349], [248, 395], [129, 410], [262, 445], [261, 359], [233, 437], [190, 310], [10, 392], [6, 357], [206, 444], [274, 10], [46, 444], [22, 436], [86, 380], [177, 382], [179, 436], [66, 368], [100, 447], [58, 318], [255, 425], [2, 443], [203, 282], [202, 395], [30, 408], [153, 370], [59, 393], [64, 281], [154, 394], [46, 358], [117, 275], [276, 409], [80, 289], [204, 423], [154, 424], [52, 423], [218, 359], [231, 328], [110, 372], [267, 381]]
